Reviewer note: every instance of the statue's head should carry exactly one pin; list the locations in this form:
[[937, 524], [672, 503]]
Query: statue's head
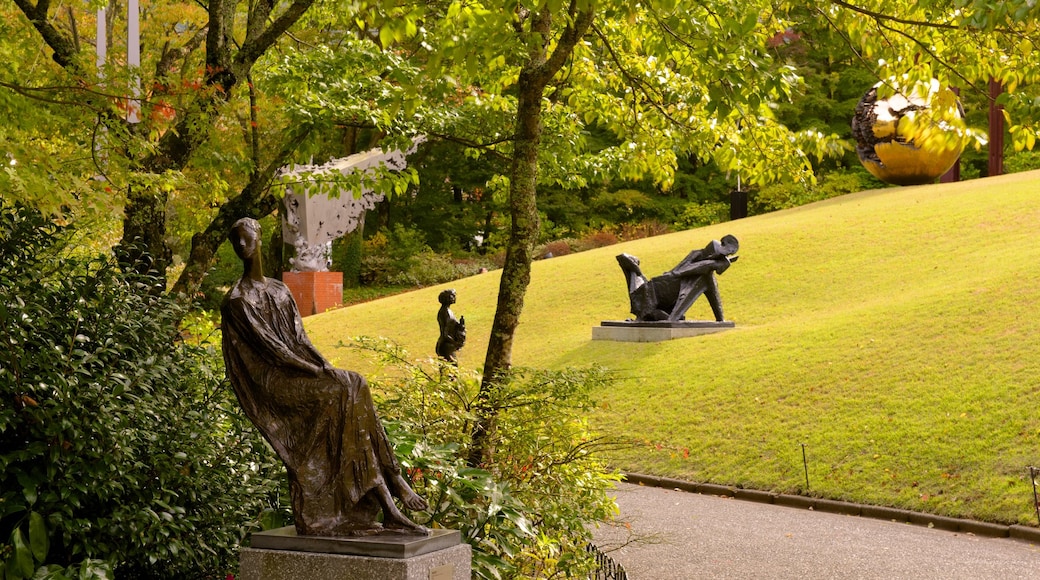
[[245, 237], [629, 263], [447, 297], [729, 245]]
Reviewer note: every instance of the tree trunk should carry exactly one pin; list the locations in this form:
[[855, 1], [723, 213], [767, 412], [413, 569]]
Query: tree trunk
[[523, 210], [143, 246], [516, 273]]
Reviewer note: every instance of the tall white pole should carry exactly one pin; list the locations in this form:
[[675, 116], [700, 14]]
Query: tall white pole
[[133, 58], [102, 42]]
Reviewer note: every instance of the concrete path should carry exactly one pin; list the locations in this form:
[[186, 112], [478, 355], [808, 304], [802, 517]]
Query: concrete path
[[685, 536]]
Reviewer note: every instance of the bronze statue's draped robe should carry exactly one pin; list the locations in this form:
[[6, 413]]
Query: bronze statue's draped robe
[[320, 420]]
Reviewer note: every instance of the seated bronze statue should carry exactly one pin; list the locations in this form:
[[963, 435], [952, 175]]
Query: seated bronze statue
[[667, 297], [453, 331], [320, 420]]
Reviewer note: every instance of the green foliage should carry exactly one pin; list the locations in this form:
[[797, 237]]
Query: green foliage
[[1022, 161], [696, 215], [786, 195], [121, 447], [526, 513], [400, 256], [452, 205], [346, 258]]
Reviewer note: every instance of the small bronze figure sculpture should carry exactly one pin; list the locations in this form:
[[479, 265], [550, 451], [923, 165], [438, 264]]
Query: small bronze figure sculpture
[[319, 419], [668, 296], [453, 331]]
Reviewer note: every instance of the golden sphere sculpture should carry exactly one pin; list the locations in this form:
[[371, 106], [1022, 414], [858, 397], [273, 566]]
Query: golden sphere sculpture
[[905, 140]]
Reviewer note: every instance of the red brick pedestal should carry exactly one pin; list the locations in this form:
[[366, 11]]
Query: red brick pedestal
[[315, 292]]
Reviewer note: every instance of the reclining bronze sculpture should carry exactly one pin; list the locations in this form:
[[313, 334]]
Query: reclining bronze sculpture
[[667, 297]]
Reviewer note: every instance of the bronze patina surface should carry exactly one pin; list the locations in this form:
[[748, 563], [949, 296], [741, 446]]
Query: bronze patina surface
[[667, 297], [320, 420]]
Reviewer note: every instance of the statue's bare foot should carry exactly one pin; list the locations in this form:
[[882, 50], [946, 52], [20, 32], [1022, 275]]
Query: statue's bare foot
[[409, 498], [395, 521], [412, 501]]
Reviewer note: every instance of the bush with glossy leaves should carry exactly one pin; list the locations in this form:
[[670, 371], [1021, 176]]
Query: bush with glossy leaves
[[122, 450]]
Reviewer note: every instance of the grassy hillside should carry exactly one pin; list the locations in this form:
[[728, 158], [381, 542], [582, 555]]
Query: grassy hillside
[[894, 333]]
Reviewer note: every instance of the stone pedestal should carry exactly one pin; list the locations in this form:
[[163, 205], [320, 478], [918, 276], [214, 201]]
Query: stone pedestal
[[282, 555], [633, 331], [315, 292]]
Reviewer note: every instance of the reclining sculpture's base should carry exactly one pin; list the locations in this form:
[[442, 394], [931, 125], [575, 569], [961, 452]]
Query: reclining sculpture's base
[[655, 331], [281, 554]]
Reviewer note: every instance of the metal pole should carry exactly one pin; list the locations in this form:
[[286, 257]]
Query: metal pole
[[133, 58], [805, 462], [101, 39], [1036, 503]]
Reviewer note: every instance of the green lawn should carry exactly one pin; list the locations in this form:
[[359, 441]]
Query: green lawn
[[895, 333]]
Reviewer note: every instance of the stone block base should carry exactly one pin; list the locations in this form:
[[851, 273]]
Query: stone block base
[[452, 563], [315, 292], [632, 331]]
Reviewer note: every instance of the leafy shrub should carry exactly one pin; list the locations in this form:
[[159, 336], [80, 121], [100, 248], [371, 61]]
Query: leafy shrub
[[554, 249], [400, 258], [599, 239], [836, 183], [786, 195], [623, 205], [696, 215], [429, 268], [778, 196], [527, 513], [389, 253], [637, 231], [346, 258], [1022, 161], [121, 448]]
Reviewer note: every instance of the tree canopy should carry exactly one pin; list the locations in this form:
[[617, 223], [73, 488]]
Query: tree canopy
[[232, 92]]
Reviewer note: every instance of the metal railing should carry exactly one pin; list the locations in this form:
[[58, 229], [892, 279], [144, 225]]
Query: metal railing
[[606, 567]]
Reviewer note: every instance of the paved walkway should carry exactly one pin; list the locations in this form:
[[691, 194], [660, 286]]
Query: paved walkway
[[684, 536]]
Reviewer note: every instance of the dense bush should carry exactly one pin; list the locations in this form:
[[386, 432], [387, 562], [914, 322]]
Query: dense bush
[[400, 257], [555, 248], [1022, 161], [786, 195], [698, 214], [595, 240], [526, 513], [346, 258], [121, 448], [627, 232]]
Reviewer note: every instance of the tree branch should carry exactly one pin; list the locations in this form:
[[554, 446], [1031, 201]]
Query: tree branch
[[576, 28], [880, 16], [255, 200], [64, 48], [634, 80], [254, 47]]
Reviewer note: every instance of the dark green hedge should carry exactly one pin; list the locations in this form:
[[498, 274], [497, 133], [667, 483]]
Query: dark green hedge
[[122, 450]]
